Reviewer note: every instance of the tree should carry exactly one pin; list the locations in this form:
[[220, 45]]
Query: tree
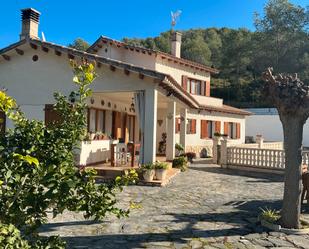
[[79, 44], [196, 49], [281, 34], [38, 171], [291, 98]]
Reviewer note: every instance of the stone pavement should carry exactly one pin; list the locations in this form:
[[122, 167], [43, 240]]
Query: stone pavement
[[205, 207]]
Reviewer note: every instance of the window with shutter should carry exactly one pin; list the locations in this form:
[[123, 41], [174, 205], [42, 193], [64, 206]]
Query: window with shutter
[[191, 126], [204, 129], [218, 127], [51, 115], [177, 125], [226, 128], [184, 83], [237, 130], [193, 130], [207, 88]]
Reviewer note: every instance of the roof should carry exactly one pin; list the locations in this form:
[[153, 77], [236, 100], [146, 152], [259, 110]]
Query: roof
[[165, 81], [185, 62], [225, 109]]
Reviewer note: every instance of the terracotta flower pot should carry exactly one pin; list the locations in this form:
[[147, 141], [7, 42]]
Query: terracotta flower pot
[[148, 175], [161, 174]]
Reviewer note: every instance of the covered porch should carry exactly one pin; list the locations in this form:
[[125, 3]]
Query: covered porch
[[125, 130]]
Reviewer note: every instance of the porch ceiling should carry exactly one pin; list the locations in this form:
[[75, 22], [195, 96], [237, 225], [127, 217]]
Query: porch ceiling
[[126, 98]]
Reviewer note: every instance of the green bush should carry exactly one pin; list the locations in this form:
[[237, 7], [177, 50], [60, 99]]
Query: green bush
[[38, 172], [179, 147], [10, 238], [160, 165], [270, 215], [180, 163]]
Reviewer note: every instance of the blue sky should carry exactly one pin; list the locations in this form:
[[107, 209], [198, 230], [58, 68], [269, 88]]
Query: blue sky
[[63, 21]]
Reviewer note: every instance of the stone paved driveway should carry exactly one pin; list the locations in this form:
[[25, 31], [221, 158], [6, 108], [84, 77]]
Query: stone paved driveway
[[205, 207]]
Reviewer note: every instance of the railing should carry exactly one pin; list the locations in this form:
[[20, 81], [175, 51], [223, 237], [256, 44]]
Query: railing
[[265, 145], [260, 158]]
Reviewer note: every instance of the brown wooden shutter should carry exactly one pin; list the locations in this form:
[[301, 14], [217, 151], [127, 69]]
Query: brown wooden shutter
[[193, 126], [218, 126], [184, 82], [2, 122], [207, 88], [203, 88], [237, 130], [226, 128], [51, 116], [204, 129], [177, 125]]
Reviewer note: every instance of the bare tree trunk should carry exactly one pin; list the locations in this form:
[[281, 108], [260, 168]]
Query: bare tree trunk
[[293, 134]]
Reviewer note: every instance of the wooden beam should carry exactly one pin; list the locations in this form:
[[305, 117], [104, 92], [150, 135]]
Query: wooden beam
[[19, 51], [33, 46], [99, 45], [45, 49], [57, 52], [112, 68], [126, 71], [71, 57], [6, 57], [141, 76]]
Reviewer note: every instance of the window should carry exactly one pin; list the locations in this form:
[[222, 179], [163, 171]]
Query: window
[[195, 86], [207, 129], [232, 130], [177, 125], [131, 127], [51, 115], [96, 120], [191, 126]]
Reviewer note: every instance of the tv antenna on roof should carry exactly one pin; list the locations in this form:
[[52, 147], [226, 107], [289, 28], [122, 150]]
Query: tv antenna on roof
[[175, 17]]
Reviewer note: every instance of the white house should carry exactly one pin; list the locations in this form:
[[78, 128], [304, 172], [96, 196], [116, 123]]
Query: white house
[[139, 93]]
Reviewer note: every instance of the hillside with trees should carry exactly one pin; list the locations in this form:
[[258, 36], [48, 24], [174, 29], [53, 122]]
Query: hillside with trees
[[281, 40]]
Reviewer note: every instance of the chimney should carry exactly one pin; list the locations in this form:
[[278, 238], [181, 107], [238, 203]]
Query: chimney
[[30, 23], [176, 43]]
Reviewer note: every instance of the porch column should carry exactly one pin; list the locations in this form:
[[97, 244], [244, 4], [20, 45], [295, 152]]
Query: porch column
[[170, 131], [150, 129], [183, 127]]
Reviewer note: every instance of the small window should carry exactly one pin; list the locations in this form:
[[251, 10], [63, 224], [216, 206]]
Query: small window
[[191, 126], [96, 120]]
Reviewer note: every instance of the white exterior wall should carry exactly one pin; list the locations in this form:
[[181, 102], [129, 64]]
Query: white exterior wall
[[177, 70], [127, 56], [32, 84], [195, 139]]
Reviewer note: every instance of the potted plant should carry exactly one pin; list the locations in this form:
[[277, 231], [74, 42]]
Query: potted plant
[[148, 172], [92, 135], [180, 163], [179, 149], [190, 156], [160, 170]]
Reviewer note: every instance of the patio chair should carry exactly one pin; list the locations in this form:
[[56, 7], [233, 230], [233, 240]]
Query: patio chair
[[122, 156]]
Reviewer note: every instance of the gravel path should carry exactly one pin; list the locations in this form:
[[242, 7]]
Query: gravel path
[[205, 207]]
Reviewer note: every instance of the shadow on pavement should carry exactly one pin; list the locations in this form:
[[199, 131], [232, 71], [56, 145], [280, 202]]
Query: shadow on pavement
[[240, 221], [263, 177]]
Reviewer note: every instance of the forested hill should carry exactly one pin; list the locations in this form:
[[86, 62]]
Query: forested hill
[[281, 40]]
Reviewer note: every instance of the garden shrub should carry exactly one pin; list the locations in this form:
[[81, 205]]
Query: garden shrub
[[180, 163], [38, 172]]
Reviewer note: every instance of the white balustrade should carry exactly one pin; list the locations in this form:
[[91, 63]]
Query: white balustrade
[[259, 158]]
